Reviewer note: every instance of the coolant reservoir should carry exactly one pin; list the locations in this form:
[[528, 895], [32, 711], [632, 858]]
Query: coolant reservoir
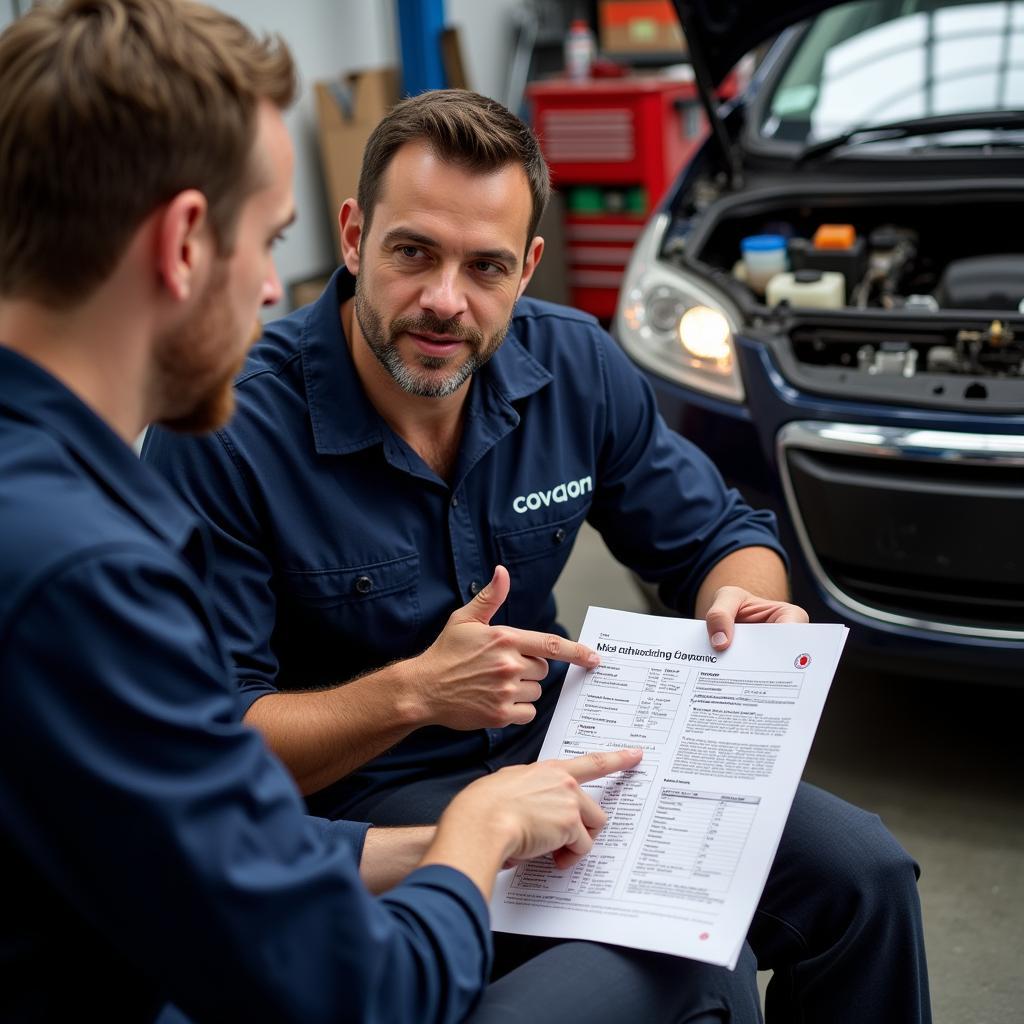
[[814, 289]]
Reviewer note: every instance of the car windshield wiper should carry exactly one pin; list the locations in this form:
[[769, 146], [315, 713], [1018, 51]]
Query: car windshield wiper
[[933, 125]]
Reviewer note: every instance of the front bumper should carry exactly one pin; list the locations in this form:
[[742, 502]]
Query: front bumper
[[906, 525]]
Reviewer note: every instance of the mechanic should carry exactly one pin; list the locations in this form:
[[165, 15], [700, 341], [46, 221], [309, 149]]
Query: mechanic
[[422, 436], [156, 859]]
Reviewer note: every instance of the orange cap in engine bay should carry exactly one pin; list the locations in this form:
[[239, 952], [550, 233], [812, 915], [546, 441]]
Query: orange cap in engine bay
[[835, 236]]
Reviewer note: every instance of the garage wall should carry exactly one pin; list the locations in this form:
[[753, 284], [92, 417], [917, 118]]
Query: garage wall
[[326, 37], [485, 30], [331, 36]]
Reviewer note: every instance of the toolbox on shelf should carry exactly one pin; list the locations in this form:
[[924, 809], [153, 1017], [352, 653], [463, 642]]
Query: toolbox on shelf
[[613, 146]]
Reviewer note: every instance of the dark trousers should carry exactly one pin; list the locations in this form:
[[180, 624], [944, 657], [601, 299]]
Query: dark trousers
[[839, 924]]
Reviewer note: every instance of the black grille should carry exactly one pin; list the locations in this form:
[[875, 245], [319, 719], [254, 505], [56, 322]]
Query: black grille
[[922, 539]]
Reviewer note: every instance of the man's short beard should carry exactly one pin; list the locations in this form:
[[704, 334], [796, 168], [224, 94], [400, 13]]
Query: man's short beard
[[191, 395], [384, 345]]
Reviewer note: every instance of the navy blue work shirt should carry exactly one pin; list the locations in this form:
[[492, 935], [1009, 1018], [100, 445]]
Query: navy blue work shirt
[[152, 850], [339, 550]]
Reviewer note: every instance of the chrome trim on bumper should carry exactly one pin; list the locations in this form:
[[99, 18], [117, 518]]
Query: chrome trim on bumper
[[936, 446]]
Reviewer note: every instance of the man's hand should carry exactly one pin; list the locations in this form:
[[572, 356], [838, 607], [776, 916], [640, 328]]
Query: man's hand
[[474, 676], [479, 676], [734, 604], [525, 811], [722, 601]]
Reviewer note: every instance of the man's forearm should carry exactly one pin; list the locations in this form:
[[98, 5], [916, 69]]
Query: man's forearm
[[324, 735], [759, 570], [389, 854]]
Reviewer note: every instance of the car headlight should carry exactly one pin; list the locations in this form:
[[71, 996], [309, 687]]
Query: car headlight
[[674, 324]]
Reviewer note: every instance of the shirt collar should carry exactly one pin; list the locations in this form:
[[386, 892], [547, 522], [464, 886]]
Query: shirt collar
[[37, 397], [343, 418]]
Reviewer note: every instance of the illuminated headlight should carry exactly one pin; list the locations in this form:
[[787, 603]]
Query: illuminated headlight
[[674, 324], [705, 334]]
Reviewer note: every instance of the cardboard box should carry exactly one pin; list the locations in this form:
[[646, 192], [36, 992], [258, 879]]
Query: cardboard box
[[348, 109], [640, 27], [302, 293]]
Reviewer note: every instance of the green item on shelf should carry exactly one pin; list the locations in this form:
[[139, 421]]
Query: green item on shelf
[[636, 200], [586, 199]]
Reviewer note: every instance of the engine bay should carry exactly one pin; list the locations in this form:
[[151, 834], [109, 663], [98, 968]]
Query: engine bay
[[917, 286]]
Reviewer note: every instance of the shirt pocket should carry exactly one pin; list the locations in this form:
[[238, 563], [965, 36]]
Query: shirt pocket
[[361, 616], [535, 558]]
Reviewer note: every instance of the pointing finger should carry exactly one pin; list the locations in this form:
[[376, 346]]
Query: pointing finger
[[601, 763], [554, 647]]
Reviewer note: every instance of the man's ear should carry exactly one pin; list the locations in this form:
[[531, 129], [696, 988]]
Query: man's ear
[[534, 251], [184, 243], [350, 230]]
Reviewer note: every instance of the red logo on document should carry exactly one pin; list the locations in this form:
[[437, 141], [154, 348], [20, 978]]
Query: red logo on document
[[704, 936], [802, 660]]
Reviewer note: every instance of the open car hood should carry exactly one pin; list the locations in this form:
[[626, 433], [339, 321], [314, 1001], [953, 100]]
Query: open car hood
[[719, 32]]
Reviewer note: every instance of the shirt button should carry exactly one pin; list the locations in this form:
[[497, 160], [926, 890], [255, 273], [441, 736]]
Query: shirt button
[[364, 584], [474, 588], [455, 501], [559, 535]]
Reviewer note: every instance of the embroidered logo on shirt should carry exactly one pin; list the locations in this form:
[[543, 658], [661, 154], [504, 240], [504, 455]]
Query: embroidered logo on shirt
[[559, 493]]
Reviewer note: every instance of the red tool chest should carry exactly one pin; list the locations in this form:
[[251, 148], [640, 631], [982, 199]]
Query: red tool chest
[[613, 146]]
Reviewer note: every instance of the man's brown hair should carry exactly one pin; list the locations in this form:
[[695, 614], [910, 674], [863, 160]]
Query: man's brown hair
[[109, 108], [462, 127]]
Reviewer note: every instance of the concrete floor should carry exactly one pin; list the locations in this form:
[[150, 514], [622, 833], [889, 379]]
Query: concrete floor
[[944, 767]]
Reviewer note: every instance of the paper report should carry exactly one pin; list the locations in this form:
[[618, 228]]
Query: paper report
[[693, 829]]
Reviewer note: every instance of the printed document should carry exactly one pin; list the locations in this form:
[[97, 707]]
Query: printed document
[[693, 829]]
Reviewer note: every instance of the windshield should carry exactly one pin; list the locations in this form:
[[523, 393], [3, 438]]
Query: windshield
[[875, 62]]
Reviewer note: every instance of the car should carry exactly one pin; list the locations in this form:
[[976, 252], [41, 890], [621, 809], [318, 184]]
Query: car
[[830, 302]]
